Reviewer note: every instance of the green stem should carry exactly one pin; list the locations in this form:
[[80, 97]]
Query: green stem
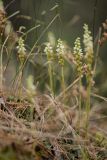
[[51, 77], [20, 76], [80, 99], [20, 85], [63, 80], [88, 106]]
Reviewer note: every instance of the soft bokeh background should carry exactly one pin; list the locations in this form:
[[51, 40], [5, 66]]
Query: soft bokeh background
[[73, 14]]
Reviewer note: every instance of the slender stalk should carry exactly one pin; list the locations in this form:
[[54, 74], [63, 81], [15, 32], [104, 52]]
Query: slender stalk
[[20, 85], [63, 80], [88, 105], [1, 71], [80, 99], [51, 77]]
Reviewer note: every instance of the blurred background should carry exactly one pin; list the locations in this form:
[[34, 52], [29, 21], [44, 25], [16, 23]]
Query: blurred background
[[63, 19], [73, 14]]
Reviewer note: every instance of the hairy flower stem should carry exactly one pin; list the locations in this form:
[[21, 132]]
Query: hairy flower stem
[[20, 83], [62, 80], [88, 106], [50, 71], [79, 103]]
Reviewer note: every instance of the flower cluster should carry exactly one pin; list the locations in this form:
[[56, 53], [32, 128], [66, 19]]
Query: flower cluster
[[84, 62], [87, 40], [88, 48], [78, 55], [60, 52], [21, 49], [49, 51], [2, 21]]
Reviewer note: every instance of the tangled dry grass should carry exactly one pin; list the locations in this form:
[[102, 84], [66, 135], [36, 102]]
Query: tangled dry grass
[[52, 133]]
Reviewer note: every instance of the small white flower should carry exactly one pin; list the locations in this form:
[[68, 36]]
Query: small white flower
[[60, 47], [48, 49], [87, 40], [21, 46], [77, 47]]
